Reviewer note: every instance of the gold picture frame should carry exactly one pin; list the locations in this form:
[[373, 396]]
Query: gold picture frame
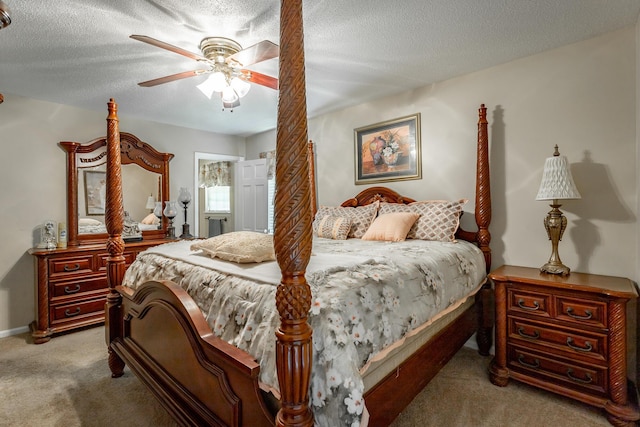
[[388, 151]]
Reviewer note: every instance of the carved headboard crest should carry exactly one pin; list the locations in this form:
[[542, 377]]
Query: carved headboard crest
[[377, 194]]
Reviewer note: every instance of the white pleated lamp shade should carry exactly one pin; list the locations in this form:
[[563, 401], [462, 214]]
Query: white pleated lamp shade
[[557, 181]]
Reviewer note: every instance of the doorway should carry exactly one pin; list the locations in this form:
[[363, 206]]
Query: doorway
[[201, 215]]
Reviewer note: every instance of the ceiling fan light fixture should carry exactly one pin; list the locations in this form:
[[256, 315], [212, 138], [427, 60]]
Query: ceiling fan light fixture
[[216, 82], [229, 95], [240, 86]]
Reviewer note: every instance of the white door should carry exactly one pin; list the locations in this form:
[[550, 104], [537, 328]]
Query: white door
[[251, 196]]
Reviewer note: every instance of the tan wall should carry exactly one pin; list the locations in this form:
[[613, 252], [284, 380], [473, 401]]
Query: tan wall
[[581, 97], [32, 170]]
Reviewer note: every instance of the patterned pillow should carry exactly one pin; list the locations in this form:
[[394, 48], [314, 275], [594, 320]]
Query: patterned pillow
[[361, 217], [333, 227], [439, 219], [391, 227], [238, 246]]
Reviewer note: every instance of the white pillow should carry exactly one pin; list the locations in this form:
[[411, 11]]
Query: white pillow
[[88, 221], [150, 219], [238, 246]]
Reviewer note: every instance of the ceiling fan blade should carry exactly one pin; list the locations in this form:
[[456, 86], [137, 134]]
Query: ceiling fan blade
[[260, 79], [169, 47], [171, 78], [257, 53]]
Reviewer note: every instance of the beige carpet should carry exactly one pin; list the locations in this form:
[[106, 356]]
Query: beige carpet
[[66, 382]]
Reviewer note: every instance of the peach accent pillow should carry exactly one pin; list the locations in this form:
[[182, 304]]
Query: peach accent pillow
[[238, 246], [391, 227], [150, 219]]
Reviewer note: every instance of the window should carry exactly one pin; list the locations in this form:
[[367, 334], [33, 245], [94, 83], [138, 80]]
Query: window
[[217, 198]]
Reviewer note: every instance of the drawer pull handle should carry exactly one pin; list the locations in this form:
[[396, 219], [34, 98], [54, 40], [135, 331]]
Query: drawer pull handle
[[74, 268], [534, 336], [534, 365], [588, 313], [75, 313], [587, 345], [68, 290], [535, 307], [587, 379]]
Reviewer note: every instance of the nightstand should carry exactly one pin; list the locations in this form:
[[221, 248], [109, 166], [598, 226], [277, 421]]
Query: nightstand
[[565, 334]]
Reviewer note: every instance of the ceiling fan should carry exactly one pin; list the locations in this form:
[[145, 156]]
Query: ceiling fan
[[225, 61]]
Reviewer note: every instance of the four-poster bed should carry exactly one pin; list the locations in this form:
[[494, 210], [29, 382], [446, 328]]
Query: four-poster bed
[[161, 334]]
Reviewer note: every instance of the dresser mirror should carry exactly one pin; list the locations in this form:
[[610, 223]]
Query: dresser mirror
[[145, 179]]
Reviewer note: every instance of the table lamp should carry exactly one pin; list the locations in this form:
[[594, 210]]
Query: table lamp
[[185, 198], [557, 184]]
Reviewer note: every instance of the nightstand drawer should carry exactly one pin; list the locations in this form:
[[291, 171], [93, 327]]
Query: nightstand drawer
[[530, 302], [581, 311], [61, 267], [571, 343], [589, 379]]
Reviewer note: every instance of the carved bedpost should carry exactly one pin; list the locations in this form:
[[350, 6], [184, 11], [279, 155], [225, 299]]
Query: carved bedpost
[[483, 238], [312, 179], [292, 239], [483, 190], [114, 217]]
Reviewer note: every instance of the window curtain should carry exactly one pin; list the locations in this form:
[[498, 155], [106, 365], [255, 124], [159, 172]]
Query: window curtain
[[271, 162], [214, 174]]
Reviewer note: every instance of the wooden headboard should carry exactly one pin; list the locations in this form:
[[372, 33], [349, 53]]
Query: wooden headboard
[[481, 237]]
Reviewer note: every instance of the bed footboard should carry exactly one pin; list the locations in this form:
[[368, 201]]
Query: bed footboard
[[198, 378]]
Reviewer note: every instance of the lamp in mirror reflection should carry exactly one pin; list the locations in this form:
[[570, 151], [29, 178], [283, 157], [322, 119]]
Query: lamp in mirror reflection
[[170, 211], [185, 198], [151, 203], [157, 211], [557, 184]]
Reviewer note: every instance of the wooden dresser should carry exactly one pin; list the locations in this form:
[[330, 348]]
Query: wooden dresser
[[565, 334], [71, 286]]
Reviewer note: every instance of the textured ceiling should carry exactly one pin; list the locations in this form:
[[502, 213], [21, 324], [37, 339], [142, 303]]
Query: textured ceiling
[[78, 52]]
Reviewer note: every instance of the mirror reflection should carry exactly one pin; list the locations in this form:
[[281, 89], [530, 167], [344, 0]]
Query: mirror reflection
[[137, 186], [145, 180]]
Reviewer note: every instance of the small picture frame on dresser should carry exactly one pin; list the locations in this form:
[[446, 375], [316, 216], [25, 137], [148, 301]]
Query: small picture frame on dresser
[[48, 233]]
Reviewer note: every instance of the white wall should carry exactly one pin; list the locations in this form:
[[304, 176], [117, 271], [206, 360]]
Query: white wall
[[581, 97], [32, 170]]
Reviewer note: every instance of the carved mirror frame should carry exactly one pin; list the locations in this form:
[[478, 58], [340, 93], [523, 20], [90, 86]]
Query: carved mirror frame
[[93, 153]]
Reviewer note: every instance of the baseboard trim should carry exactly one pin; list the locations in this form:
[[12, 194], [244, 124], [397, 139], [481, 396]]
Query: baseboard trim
[[15, 331]]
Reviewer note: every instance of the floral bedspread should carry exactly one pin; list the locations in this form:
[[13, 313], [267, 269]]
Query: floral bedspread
[[381, 292]]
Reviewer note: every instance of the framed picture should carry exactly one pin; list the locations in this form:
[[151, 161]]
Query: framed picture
[[95, 187], [388, 151]]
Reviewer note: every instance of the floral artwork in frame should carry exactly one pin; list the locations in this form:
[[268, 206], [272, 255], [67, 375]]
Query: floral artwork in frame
[[388, 151], [95, 192]]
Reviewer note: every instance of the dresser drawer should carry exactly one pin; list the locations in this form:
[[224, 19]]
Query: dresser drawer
[[70, 266], [129, 257], [75, 311], [588, 379], [79, 286], [530, 302], [569, 342], [581, 311]]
